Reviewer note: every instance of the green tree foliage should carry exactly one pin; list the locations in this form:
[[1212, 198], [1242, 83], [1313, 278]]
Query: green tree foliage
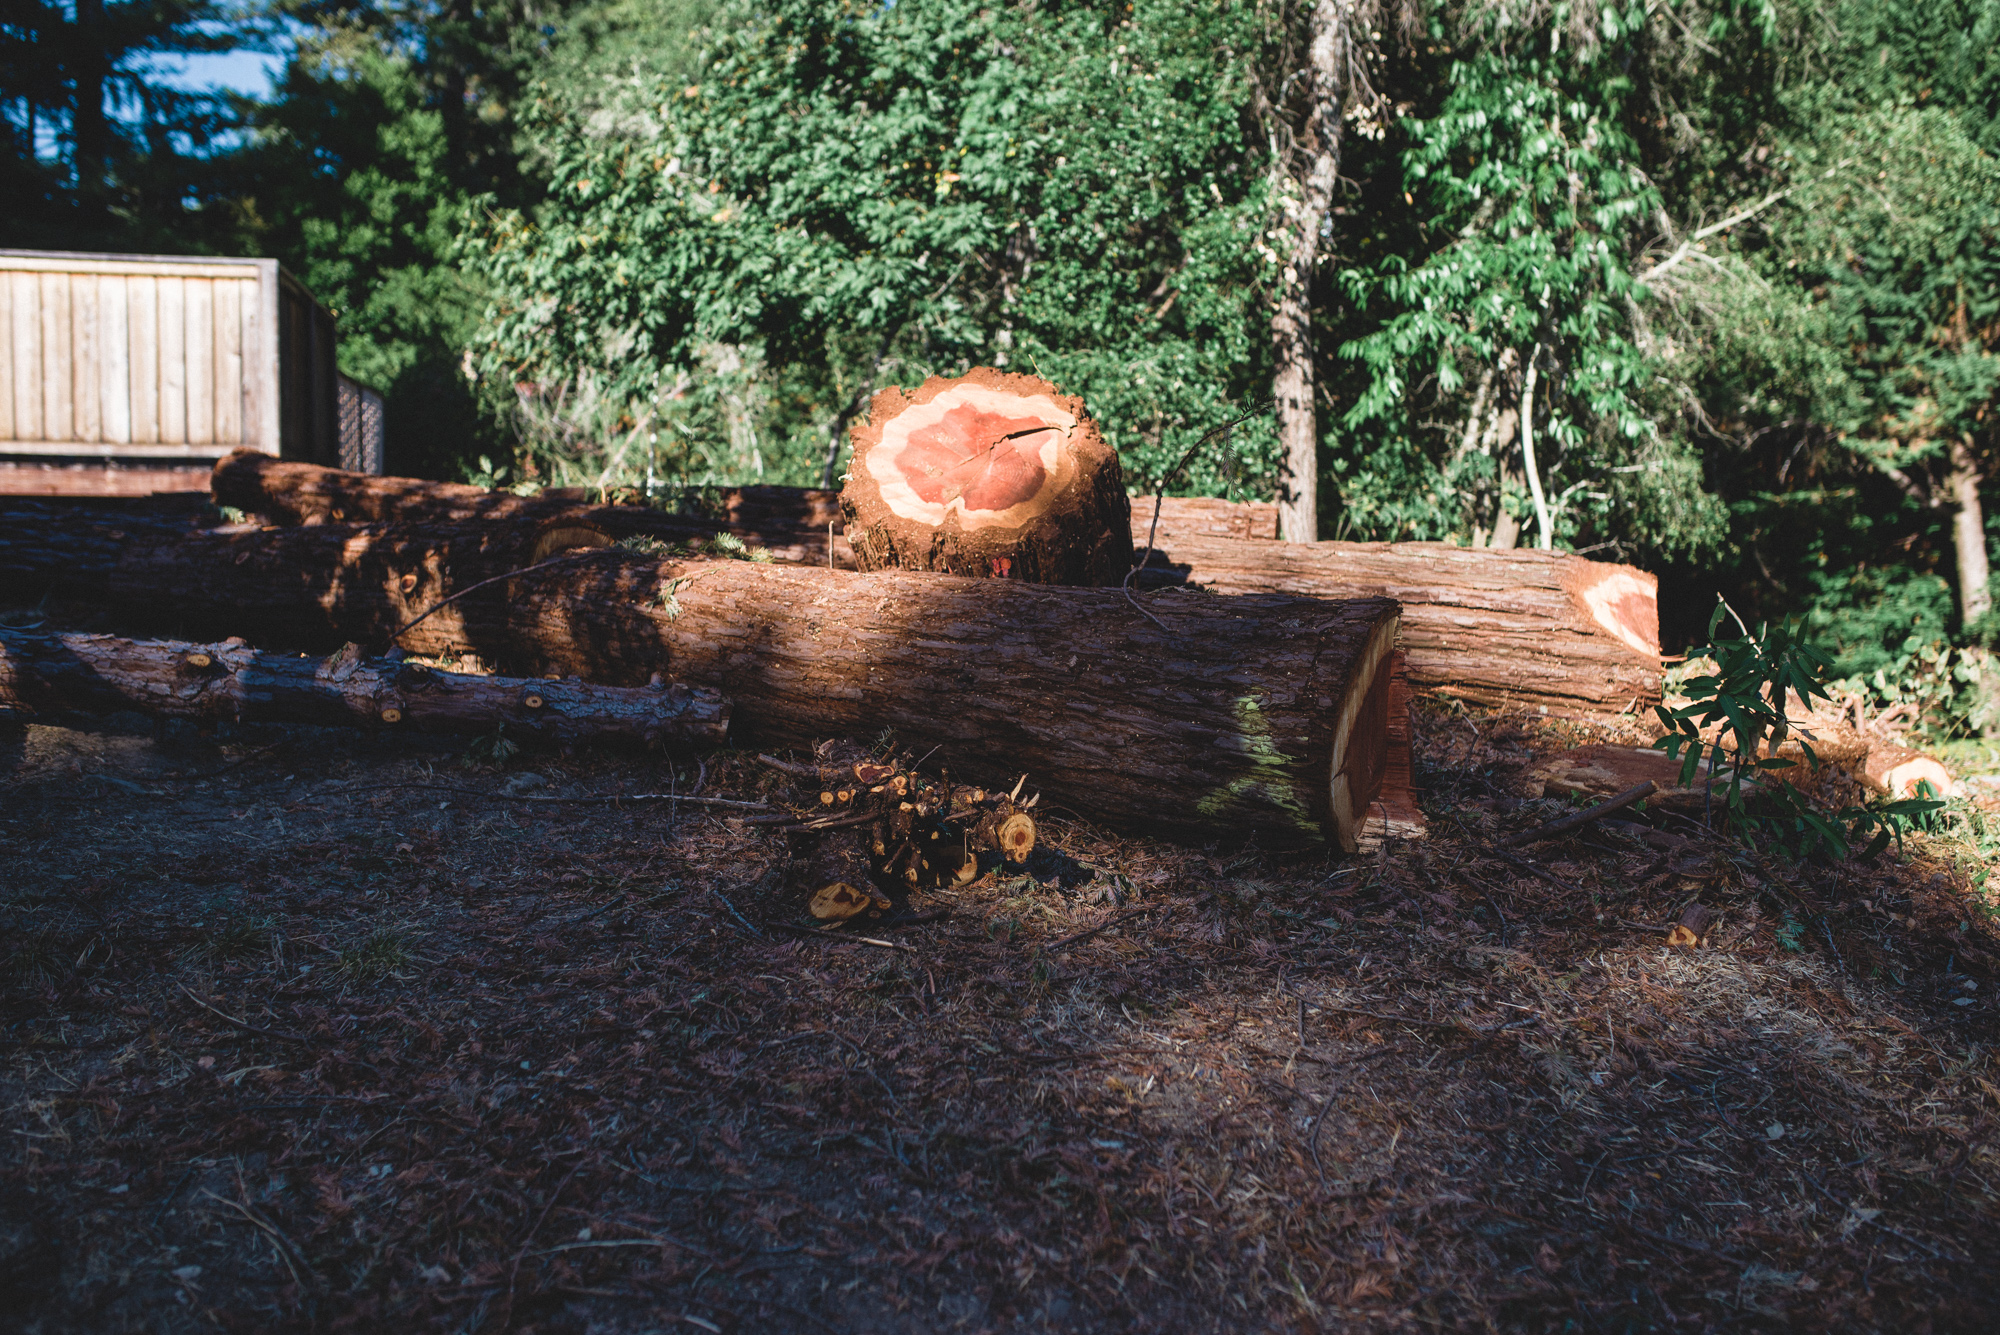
[[99, 149], [854, 192]]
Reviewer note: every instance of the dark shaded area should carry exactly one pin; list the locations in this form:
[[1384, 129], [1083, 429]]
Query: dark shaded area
[[518, 1067]]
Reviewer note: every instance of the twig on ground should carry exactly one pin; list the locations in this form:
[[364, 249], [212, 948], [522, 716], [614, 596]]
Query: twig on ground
[[1089, 932], [1536, 872], [245, 1025], [739, 917], [525, 797], [1577, 820], [823, 934]]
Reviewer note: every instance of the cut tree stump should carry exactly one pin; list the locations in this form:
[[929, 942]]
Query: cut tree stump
[[230, 680], [1897, 770], [1542, 631], [1263, 715], [988, 474]]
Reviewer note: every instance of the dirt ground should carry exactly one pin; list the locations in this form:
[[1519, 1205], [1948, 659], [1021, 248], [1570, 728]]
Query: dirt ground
[[303, 1030]]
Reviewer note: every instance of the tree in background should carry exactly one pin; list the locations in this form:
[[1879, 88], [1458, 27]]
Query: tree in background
[[102, 151], [852, 192]]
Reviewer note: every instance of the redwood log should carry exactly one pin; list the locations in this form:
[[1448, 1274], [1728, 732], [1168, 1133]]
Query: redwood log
[[1521, 629], [1533, 630], [230, 680], [988, 474], [1262, 715], [792, 523]]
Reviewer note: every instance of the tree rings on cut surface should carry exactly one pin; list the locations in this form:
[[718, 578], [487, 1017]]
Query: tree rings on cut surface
[[990, 474]]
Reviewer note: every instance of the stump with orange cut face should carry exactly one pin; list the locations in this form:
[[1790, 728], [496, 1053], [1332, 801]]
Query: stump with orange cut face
[[990, 474]]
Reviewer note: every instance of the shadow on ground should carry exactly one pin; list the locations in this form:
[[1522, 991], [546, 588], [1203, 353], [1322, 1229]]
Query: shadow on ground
[[290, 1043]]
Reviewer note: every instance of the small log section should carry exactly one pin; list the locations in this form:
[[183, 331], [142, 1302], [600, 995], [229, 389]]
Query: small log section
[[230, 680], [990, 474], [1518, 629], [794, 524], [1262, 715]]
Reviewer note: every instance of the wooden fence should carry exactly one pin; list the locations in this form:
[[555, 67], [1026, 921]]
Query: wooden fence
[[124, 374]]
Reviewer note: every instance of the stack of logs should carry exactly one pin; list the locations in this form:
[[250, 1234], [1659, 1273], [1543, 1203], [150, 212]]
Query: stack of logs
[[973, 589]]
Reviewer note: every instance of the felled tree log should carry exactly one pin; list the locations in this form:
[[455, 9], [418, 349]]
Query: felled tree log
[[230, 680], [1261, 715], [69, 549], [1520, 629], [989, 474], [792, 523]]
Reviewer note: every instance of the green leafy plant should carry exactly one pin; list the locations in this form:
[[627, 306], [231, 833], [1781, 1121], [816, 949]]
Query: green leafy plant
[[1754, 677]]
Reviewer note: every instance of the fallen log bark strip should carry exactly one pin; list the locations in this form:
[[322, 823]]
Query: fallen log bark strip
[[1257, 715], [1516, 628], [230, 680]]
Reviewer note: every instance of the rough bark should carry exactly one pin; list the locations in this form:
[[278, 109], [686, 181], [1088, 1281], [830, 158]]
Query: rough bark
[[792, 523], [1262, 715], [230, 680], [989, 474], [1537, 630], [1968, 530], [1519, 629], [1291, 317], [67, 549]]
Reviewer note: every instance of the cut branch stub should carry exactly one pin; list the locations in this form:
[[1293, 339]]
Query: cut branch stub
[[990, 474]]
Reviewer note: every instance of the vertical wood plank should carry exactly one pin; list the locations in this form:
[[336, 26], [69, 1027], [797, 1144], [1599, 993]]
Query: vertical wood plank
[[27, 367], [57, 420], [228, 361], [142, 301], [84, 366], [199, 342], [173, 360], [7, 357], [114, 353]]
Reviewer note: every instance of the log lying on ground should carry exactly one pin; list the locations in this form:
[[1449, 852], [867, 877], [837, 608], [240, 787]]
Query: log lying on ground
[[792, 523], [230, 680], [1519, 629], [1261, 715], [69, 550], [987, 474]]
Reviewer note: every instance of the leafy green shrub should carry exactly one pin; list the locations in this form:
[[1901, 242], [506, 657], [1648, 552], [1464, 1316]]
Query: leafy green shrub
[[1754, 678]]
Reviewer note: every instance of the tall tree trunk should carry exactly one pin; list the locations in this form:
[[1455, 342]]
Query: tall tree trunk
[[1546, 530], [1968, 531], [1291, 321], [91, 131]]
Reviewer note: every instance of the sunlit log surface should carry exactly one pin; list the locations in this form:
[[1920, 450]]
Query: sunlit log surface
[[1225, 717], [1544, 631]]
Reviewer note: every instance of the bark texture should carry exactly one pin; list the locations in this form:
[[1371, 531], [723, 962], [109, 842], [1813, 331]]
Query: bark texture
[[794, 524], [1259, 715], [989, 474], [1519, 629], [230, 680], [1329, 56]]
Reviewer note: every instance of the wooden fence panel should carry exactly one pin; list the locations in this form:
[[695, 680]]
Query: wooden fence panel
[[142, 300], [114, 371]]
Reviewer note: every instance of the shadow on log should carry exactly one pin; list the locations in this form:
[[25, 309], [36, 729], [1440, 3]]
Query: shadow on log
[[1262, 715], [1518, 629]]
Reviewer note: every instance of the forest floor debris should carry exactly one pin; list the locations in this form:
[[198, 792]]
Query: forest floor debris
[[288, 1044]]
